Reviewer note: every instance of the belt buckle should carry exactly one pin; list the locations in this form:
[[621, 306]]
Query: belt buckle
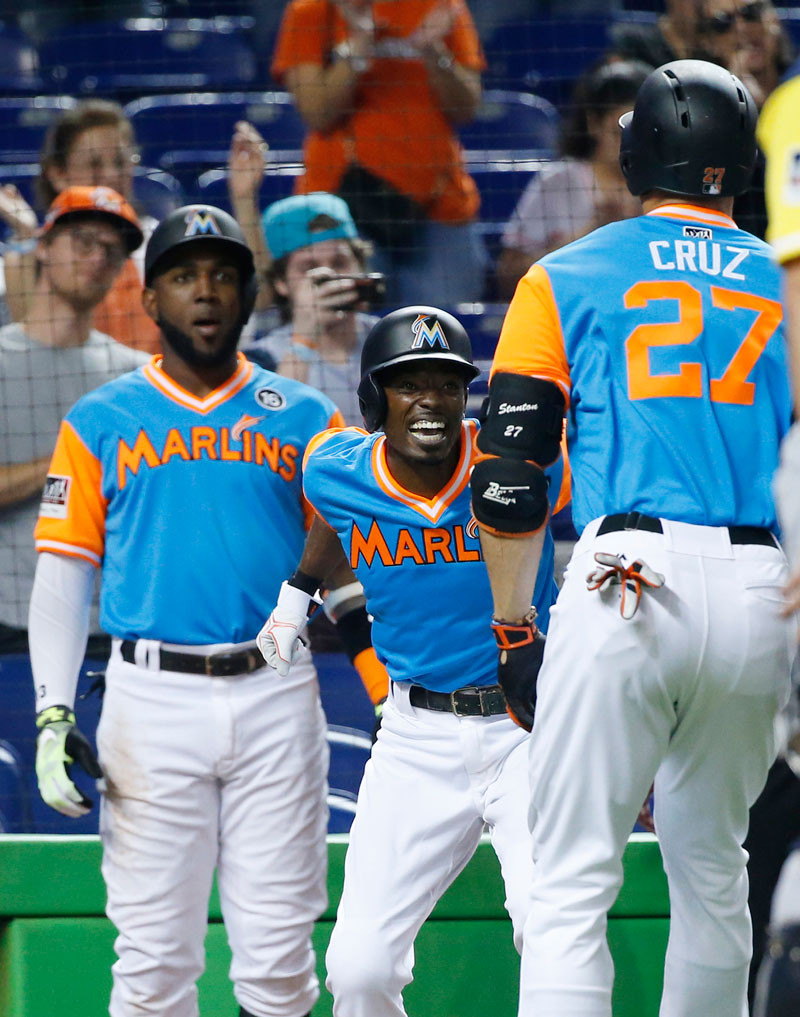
[[465, 692], [221, 665]]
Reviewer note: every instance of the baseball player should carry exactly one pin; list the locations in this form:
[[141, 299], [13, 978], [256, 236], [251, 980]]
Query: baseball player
[[393, 501], [181, 482], [667, 657], [779, 136]]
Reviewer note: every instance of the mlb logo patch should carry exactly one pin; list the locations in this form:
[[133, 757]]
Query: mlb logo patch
[[712, 179], [791, 188], [55, 497]]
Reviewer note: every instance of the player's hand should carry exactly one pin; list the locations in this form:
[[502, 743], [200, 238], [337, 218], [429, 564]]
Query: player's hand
[[280, 637], [521, 648], [59, 746]]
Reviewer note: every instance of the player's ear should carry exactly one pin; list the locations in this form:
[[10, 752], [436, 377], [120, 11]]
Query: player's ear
[[280, 287], [150, 302]]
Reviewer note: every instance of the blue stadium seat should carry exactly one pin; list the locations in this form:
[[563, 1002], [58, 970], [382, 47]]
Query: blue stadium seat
[[515, 122], [341, 810], [156, 192], [350, 749], [278, 182], [24, 121], [545, 55], [501, 183], [19, 64], [191, 132], [141, 55], [15, 807], [482, 322]]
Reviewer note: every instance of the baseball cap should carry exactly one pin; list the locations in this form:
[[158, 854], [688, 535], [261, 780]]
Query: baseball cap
[[289, 223], [100, 202]]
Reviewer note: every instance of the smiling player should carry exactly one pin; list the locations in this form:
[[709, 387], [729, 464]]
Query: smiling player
[[394, 503]]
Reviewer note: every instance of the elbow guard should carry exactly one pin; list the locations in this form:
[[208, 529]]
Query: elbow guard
[[509, 496], [524, 419], [520, 435]]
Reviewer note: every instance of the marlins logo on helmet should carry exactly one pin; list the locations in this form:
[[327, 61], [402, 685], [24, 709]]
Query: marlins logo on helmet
[[433, 334]]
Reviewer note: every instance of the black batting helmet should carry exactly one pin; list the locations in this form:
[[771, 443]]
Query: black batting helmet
[[201, 222], [691, 132], [407, 334]]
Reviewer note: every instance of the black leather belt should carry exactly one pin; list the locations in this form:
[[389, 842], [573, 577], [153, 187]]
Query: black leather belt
[[637, 521], [217, 665], [471, 701]]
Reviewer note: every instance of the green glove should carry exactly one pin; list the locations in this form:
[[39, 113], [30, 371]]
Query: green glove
[[60, 744]]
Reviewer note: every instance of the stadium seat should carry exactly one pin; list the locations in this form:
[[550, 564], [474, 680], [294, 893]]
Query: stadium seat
[[156, 192], [545, 55], [483, 322], [350, 749], [141, 55], [191, 132], [515, 122], [341, 810], [19, 64], [24, 120], [15, 808], [278, 182], [501, 182]]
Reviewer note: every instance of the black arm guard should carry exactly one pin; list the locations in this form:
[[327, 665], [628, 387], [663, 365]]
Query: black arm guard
[[525, 419], [509, 496]]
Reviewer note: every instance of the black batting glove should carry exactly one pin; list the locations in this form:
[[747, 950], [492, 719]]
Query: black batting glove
[[521, 647]]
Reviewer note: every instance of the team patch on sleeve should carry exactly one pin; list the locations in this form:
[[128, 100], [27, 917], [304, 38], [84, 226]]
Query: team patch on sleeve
[[55, 497]]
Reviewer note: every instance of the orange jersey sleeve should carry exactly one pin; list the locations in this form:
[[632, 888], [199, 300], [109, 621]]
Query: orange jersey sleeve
[[531, 340], [72, 514]]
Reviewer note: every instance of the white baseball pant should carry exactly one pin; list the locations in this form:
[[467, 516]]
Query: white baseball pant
[[685, 692], [203, 773], [432, 782]]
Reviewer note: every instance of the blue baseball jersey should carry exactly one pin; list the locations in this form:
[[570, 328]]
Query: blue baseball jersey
[[665, 334], [193, 508], [418, 559]]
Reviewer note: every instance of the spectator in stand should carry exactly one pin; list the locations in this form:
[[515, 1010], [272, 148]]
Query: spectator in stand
[[585, 188], [382, 87], [91, 144], [672, 37], [48, 361], [750, 41], [317, 256]]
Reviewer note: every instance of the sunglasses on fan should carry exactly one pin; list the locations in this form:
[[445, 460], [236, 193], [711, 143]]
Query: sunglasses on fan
[[723, 21]]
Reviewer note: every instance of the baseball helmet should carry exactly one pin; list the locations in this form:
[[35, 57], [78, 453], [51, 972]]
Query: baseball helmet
[[201, 222], [691, 131], [409, 334]]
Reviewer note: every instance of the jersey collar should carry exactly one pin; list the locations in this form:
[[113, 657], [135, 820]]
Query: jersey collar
[[431, 508], [694, 213], [172, 390]]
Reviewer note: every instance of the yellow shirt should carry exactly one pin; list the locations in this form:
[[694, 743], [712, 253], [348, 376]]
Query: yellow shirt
[[779, 137]]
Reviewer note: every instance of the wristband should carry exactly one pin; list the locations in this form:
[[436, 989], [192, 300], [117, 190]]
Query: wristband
[[53, 714], [303, 581], [511, 635]]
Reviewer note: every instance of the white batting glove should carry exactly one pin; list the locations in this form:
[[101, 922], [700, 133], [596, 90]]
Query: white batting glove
[[786, 488], [281, 635]]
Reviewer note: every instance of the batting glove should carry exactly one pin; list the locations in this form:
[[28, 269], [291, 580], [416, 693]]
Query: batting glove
[[281, 635], [60, 745], [521, 652]]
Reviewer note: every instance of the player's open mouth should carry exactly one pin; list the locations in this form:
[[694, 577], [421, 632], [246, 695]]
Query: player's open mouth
[[428, 432], [207, 327]]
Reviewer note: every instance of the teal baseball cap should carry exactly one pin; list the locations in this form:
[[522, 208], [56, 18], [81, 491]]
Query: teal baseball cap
[[306, 219]]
